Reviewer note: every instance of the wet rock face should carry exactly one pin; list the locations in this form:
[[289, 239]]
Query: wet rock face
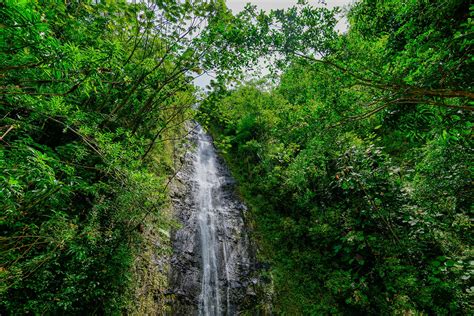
[[212, 263]]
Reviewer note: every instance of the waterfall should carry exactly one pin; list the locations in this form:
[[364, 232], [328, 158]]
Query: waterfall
[[211, 265], [206, 195]]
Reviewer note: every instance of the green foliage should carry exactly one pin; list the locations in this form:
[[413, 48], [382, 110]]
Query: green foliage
[[89, 93], [357, 165]]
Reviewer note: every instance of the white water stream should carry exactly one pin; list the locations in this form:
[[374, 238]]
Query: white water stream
[[211, 215], [211, 266]]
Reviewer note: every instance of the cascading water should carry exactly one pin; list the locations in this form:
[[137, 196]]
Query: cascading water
[[211, 265], [207, 182]]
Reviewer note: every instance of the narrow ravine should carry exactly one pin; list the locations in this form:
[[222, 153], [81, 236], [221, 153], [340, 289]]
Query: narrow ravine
[[212, 264]]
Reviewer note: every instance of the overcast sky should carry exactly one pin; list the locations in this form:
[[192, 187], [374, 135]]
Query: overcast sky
[[267, 5], [238, 5]]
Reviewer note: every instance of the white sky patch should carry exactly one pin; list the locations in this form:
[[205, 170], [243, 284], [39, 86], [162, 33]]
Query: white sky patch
[[238, 5]]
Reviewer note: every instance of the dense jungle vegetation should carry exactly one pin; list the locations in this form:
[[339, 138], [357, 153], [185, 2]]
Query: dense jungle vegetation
[[91, 93], [354, 155], [356, 161]]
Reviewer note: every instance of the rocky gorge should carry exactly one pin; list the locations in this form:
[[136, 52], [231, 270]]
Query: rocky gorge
[[213, 265]]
